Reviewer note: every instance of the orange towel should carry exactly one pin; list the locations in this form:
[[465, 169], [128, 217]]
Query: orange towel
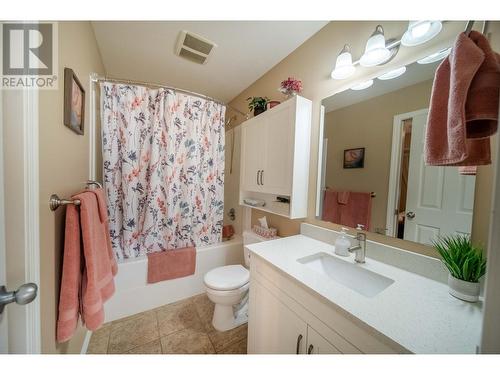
[[357, 211], [331, 207], [470, 170], [86, 283], [171, 264], [464, 104], [69, 304], [343, 197]]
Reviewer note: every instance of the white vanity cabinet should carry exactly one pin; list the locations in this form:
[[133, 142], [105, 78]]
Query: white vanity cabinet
[[275, 150], [286, 318]]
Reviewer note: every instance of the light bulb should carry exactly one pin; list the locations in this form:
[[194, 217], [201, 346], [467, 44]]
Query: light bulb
[[435, 56], [343, 65], [393, 74], [375, 51], [420, 29], [362, 85], [420, 32]]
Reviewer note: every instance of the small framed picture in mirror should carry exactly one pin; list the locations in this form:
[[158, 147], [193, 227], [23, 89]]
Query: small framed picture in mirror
[[74, 102], [354, 158]]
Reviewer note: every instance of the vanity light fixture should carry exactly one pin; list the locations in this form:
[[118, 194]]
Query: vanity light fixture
[[435, 56], [362, 85], [376, 51], [343, 66], [420, 32], [393, 74]]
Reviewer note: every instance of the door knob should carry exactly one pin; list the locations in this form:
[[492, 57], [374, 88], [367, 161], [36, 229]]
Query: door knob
[[22, 296], [410, 215]]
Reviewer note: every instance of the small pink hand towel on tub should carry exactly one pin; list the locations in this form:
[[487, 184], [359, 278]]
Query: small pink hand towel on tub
[[171, 264]]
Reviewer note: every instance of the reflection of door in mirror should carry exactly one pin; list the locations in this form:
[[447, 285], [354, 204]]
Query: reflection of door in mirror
[[432, 201]]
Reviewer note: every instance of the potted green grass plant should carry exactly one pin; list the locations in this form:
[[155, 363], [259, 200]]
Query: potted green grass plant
[[466, 264], [257, 104]]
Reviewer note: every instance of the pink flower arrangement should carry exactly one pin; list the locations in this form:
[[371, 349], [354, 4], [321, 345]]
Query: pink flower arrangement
[[291, 86]]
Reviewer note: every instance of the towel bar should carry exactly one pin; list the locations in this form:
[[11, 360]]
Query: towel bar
[[372, 194], [55, 202]]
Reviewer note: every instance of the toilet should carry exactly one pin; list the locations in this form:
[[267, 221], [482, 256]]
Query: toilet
[[227, 287]]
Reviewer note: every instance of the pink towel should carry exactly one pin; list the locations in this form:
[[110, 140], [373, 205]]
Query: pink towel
[[171, 264], [357, 211], [470, 170], [343, 197], [464, 104], [69, 304], [86, 283], [331, 208]]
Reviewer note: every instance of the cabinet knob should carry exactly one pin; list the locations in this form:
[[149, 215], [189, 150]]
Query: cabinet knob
[[299, 339], [258, 172], [262, 177], [310, 349]]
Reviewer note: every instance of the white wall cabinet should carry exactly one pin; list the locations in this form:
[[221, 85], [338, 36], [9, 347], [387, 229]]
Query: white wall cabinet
[[285, 318], [275, 151]]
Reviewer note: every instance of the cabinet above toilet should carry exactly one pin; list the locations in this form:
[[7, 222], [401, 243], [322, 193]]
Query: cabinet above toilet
[[275, 150]]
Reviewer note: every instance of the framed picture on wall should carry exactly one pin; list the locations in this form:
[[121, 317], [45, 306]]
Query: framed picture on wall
[[74, 102], [354, 158]]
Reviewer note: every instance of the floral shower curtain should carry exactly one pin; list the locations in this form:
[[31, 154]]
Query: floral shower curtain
[[163, 155]]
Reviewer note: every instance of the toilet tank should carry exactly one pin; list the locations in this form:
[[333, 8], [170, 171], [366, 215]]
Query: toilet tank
[[249, 238]]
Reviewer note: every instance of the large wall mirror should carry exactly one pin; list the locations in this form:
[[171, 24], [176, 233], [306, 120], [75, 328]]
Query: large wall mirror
[[373, 175]]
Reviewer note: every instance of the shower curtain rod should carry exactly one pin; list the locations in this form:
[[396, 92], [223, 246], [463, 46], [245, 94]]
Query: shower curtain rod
[[155, 85]]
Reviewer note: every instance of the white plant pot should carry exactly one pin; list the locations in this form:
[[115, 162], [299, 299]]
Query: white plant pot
[[463, 290]]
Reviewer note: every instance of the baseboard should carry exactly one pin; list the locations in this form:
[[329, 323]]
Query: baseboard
[[86, 342]]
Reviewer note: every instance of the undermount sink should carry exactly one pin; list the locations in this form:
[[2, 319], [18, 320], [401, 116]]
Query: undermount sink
[[351, 275]]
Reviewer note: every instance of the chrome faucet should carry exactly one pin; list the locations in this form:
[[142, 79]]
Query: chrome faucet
[[360, 249]]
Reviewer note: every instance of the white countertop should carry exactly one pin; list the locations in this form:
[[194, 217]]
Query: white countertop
[[416, 312]]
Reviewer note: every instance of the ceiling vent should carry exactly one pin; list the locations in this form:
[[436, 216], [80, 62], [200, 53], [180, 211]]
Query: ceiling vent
[[194, 47]]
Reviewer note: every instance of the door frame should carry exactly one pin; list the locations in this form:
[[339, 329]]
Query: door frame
[[32, 216], [322, 153], [395, 170], [490, 335], [30, 128]]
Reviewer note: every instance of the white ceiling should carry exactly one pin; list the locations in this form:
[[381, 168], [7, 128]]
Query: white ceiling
[[246, 50]]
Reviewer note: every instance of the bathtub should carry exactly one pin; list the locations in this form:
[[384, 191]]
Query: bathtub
[[133, 295]]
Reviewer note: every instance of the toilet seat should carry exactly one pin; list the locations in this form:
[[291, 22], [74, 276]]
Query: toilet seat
[[227, 277]]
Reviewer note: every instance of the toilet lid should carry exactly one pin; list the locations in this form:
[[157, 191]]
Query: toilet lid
[[227, 277]]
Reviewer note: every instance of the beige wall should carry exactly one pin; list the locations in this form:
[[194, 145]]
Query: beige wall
[[369, 124], [232, 179], [64, 166], [313, 61]]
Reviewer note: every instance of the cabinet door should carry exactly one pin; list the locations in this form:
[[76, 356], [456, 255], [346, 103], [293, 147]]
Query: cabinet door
[[317, 344], [275, 329], [252, 154], [278, 165]]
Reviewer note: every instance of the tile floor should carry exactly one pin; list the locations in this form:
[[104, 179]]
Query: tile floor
[[182, 327]]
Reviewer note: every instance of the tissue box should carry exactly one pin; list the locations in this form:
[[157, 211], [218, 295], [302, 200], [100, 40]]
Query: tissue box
[[265, 232]]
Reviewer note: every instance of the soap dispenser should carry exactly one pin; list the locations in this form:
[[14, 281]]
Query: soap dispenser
[[342, 244]]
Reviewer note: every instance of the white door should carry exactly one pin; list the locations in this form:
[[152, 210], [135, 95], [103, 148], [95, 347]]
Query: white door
[[279, 138], [439, 199], [19, 322], [252, 154], [317, 344], [275, 329]]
